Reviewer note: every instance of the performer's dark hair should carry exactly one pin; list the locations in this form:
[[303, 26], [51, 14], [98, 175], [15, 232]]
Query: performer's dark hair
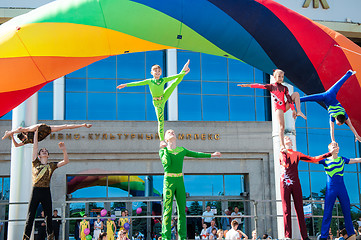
[[21, 136], [45, 150], [341, 118]]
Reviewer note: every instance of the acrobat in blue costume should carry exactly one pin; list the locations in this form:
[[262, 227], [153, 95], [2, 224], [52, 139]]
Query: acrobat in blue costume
[[335, 110], [335, 188]]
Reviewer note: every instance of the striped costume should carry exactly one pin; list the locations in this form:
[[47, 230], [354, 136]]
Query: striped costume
[[334, 107], [335, 188]]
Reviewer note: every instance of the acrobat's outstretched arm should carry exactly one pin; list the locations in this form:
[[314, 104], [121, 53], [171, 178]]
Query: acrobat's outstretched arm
[[358, 138], [35, 145], [65, 154], [133, 84], [254, 85], [332, 131], [336, 87], [16, 144], [354, 160]]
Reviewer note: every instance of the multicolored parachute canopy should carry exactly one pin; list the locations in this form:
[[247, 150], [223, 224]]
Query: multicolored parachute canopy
[[66, 35], [136, 184]]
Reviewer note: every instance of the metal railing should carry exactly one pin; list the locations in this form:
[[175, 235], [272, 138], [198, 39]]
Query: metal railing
[[254, 213]]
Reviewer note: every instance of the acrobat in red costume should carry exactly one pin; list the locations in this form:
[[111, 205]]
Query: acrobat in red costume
[[290, 185], [278, 92]]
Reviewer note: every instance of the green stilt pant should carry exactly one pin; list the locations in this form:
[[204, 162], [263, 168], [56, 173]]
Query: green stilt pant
[[172, 161], [174, 187]]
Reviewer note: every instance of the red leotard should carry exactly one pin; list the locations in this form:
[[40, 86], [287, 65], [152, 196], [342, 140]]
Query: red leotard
[[278, 92]]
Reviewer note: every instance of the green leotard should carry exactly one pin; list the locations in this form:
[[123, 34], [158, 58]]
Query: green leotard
[[173, 185], [160, 95]]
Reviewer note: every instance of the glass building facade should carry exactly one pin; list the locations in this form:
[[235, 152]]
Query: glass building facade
[[208, 93]]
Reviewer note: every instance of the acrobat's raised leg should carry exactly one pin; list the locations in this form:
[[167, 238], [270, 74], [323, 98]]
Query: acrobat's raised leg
[[296, 99], [336, 87], [56, 128], [281, 120], [159, 111]]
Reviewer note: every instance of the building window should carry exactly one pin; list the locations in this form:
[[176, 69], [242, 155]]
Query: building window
[[91, 94], [210, 93]]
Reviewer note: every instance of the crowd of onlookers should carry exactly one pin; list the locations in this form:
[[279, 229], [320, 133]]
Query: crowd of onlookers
[[104, 227], [229, 226]]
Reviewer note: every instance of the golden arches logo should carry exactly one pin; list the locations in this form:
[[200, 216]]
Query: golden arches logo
[[316, 4]]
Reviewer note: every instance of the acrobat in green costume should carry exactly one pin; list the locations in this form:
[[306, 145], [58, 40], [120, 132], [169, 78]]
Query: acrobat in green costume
[[172, 160], [160, 95]]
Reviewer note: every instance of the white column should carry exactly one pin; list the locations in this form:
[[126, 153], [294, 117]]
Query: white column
[[172, 70], [59, 98], [290, 131], [25, 114]]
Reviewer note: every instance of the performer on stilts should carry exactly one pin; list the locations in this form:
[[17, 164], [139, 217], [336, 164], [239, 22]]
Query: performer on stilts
[[278, 92], [335, 188], [42, 172], [172, 158], [159, 94], [335, 110], [290, 185], [26, 134]]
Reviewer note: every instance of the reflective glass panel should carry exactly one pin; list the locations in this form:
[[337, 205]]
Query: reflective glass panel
[[214, 68], [45, 105], [317, 116], [75, 106], [214, 88], [240, 72], [350, 180], [131, 66], [242, 108], [234, 185], [102, 106], [207, 185], [305, 184], [102, 85], [215, 108], [318, 140], [151, 115], [105, 68], [192, 87], [131, 106], [262, 108], [189, 107], [318, 185], [75, 85]]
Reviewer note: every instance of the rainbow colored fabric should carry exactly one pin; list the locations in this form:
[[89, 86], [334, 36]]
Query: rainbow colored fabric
[[136, 184], [63, 36]]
